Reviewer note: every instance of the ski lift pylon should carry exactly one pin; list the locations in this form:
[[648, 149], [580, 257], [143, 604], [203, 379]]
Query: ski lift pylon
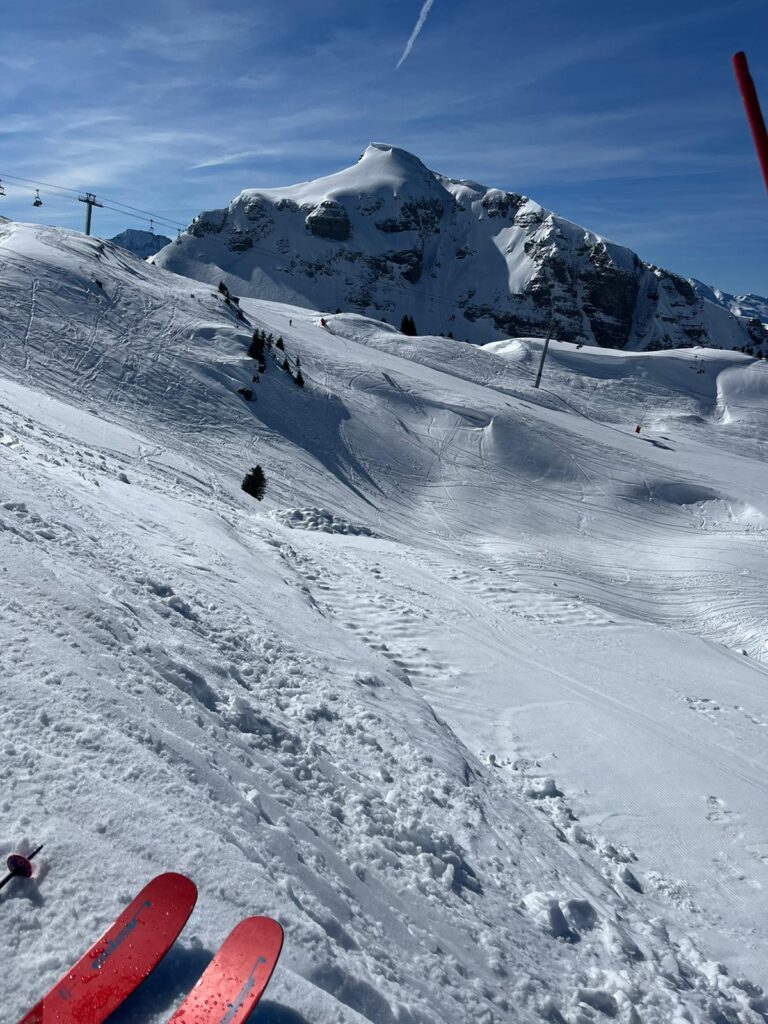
[[37, 201]]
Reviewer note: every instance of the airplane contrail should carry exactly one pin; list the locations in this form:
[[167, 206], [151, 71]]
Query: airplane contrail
[[414, 35]]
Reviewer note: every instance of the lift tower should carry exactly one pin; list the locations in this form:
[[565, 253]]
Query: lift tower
[[90, 200]]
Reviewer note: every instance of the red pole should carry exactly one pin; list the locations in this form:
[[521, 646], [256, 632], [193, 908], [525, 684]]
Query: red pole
[[754, 114]]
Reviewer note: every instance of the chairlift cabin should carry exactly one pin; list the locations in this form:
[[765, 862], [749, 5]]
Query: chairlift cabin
[[37, 201]]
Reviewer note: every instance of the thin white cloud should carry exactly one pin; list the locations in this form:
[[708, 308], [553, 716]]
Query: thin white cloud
[[188, 30], [415, 34], [237, 158]]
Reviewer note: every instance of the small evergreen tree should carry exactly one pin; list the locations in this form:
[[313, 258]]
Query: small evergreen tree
[[279, 344], [298, 362], [299, 379], [286, 365], [256, 348], [247, 393], [223, 288], [255, 483], [407, 326]]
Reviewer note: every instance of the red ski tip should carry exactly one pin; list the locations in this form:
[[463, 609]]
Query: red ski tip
[[235, 979], [122, 958]]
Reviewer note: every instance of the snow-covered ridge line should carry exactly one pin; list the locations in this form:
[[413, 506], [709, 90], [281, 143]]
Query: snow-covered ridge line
[[388, 237], [432, 703]]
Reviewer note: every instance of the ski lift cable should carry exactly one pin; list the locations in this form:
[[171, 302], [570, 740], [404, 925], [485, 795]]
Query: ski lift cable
[[31, 188], [158, 221], [43, 184], [161, 221], [147, 213], [114, 202]]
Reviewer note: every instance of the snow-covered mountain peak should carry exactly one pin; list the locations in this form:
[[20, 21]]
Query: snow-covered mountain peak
[[388, 237], [394, 165], [382, 171]]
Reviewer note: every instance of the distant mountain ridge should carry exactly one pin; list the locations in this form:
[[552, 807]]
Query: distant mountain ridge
[[141, 243], [388, 237], [750, 306]]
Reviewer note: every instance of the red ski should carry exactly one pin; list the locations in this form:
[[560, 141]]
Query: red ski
[[125, 954], [235, 979]]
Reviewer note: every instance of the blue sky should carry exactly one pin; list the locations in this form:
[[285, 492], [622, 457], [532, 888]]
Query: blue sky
[[622, 117]]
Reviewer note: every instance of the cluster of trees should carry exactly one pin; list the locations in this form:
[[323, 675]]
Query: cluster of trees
[[257, 348], [749, 350], [407, 326], [262, 344]]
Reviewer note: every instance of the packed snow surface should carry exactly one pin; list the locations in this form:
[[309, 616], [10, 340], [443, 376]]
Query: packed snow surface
[[474, 702]]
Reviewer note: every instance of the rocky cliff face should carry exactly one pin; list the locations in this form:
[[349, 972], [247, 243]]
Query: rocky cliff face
[[388, 237]]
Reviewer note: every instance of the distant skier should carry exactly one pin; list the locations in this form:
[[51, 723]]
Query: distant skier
[[290, 323], [323, 322], [637, 429]]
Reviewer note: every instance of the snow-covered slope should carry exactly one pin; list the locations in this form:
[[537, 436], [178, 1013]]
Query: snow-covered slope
[[140, 243], [389, 237], [461, 702]]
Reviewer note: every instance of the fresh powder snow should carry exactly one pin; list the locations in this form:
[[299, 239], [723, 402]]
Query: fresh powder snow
[[474, 702]]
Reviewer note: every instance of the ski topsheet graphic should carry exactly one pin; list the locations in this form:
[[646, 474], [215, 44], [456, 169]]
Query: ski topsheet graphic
[[125, 954], [235, 979]]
